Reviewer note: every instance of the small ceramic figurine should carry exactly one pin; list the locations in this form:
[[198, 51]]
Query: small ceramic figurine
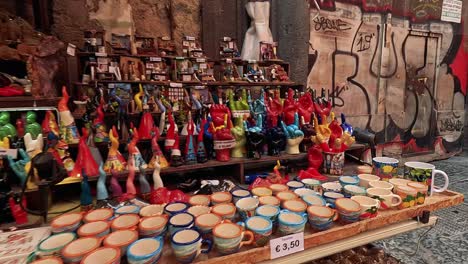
[[86, 199], [290, 108], [202, 156], [55, 145], [158, 156], [146, 123], [276, 140], [84, 159], [133, 150], [116, 190], [4, 143], [101, 193], [238, 131], [6, 128], [255, 139], [68, 129], [32, 127], [294, 136], [19, 127], [171, 143], [99, 126], [114, 158], [145, 188], [131, 190], [157, 181], [190, 155], [223, 139]]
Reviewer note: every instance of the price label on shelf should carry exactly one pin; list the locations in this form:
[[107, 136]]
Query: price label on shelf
[[286, 245]]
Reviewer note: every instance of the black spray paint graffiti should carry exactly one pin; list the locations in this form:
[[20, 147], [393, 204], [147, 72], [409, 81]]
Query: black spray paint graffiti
[[327, 25], [451, 125], [364, 41]]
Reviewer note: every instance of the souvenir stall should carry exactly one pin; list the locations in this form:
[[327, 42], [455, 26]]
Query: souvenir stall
[[158, 153]]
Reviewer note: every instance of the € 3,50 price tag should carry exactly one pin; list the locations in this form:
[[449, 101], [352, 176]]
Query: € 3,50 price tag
[[286, 245]]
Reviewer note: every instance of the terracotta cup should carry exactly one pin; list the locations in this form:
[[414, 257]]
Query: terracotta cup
[[332, 187], [121, 239], [153, 226], [321, 217], [152, 210], [187, 245], [200, 199], [198, 210], [348, 210], [102, 214], [314, 200], [180, 221], [422, 191], [353, 190], [54, 244], [296, 206], [221, 197], [229, 237], [408, 196], [76, 250], [146, 250], [206, 222], [277, 187], [125, 221], [262, 191], [246, 207], [369, 206], [364, 179], [269, 200], [103, 255], [269, 211], [313, 184], [66, 223], [225, 210], [330, 198], [286, 195], [386, 197], [94, 229]]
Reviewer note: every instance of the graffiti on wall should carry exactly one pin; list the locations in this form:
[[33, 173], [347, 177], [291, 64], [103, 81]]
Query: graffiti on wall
[[405, 81]]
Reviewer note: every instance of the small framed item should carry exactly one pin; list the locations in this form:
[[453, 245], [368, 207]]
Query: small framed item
[[228, 48], [145, 46], [183, 70], [254, 73], [156, 69], [94, 41], [276, 73], [191, 47], [268, 51], [166, 46], [120, 44], [203, 69], [229, 71]]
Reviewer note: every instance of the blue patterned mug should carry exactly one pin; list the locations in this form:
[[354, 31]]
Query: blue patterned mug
[[146, 250], [348, 209], [261, 228], [314, 200], [269, 211], [187, 245], [246, 207], [313, 184], [229, 238], [238, 194], [348, 180], [321, 217], [330, 198], [291, 223], [175, 208], [180, 221]]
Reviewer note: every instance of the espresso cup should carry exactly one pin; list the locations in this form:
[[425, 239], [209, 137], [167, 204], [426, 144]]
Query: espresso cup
[[313, 184], [261, 228], [121, 239], [314, 200], [369, 206], [290, 222], [229, 237], [103, 255], [385, 167], [426, 174], [153, 226], [262, 191], [127, 209], [364, 179], [321, 217], [277, 187], [175, 208], [206, 222], [53, 244], [180, 221], [66, 223], [304, 191], [296, 206], [269, 200], [332, 187], [246, 207], [269, 211], [220, 197], [125, 221], [102, 214], [146, 250], [348, 180], [330, 198], [398, 182], [286, 195], [48, 260], [386, 197], [238, 194], [200, 199], [348, 210], [94, 229], [408, 196], [198, 210], [187, 245], [152, 210], [422, 191], [353, 190], [381, 185], [77, 249], [293, 185], [225, 210]]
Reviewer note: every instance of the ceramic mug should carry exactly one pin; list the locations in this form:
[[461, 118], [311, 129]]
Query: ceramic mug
[[381, 185], [175, 208], [187, 245], [314, 200], [321, 217], [364, 179], [293, 185], [384, 167], [206, 222], [53, 244], [76, 250], [426, 174], [408, 196], [261, 227], [386, 197], [269, 211], [153, 226], [398, 182], [146, 250], [348, 180], [103, 255], [286, 195], [296, 206], [269, 200], [332, 187], [121, 239], [369, 206], [198, 210], [220, 197], [238, 194], [127, 209], [290, 222], [180, 221], [330, 198], [305, 191], [94, 229], [262, 191], [422, 191], [48, 260], [66, 223], [225, 210], [125, 221], [277, 187], [246, 207], [102, 214], [348, 210], [229, 237], [152, 210], [200, 199], [352, 190], [313, 184]]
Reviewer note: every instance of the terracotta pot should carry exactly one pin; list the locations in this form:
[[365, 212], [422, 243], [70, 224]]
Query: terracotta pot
[[199, 200], [53, 244]]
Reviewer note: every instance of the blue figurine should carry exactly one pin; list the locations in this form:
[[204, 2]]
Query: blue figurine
[[86, 200], [102, 193]]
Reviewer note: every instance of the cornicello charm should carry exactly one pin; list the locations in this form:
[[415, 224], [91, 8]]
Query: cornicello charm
[[84, 159], [68, 129], [114, 160], [99, 126], [133, 150], [32, 127], [158, 156], [86, 199], [101, 193], [190, 155], [55, 145], [202, 156], [6, 128]]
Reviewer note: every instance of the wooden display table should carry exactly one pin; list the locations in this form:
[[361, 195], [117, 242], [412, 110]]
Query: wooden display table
[[369, 228]]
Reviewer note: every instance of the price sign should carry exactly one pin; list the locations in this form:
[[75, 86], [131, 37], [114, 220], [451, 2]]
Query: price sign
[[286, 245]]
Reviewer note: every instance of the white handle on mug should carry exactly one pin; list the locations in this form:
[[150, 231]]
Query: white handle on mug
[[438, 189], [397, 198]]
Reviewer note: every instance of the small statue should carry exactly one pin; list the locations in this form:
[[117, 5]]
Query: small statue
[[84, 159], [134, 152], [238, 131], [158, 156], [68, 129], [101, 193], [86, 199], [99, 125], [294, 135], [171, 143], [55, 145], [157, 181], [131, 190], [6, 128], [145, 188], [190, 155], [19, 127], [114, 160], [32, 127], [116, 190], [5, 143], [255, 139], [202, 156]]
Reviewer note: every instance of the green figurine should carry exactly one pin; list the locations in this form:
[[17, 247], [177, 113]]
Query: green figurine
[[32, 126], [6, 128]]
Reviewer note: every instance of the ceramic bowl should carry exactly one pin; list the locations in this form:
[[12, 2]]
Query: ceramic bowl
[[348, 180], [348, 209], [66, 223], [76, 250], [152, 210], [48, 260], [332, 187], [221, 197], [321, 217], [238, 194], [262, 191], [153, 226], [175, 208], [305, 191], [313, 184], [103, 255], [381, 185], [121, 239], [290, 222], [286, 195], [330, 198], [364, 179], [277, 187], [127, 209], [352, 190], [314, 200], [125, 221], [296, 206], [293, 185], [53, 244], [102, 214], [206, 222], [200, 199], [225, 210], [146, 250], [270, 200], [269, 211], [369, 206], [198, 210], [94, 229]]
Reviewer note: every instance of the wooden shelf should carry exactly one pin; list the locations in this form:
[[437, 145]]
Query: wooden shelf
[[28, 101], [194, 83]]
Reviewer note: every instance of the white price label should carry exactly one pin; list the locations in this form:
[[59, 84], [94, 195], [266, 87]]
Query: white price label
[[201, 59], [286, 245], [175, 85], [241, 113], [155, 58], [100, 54], [71, 49], [452, 11], [224, 144]]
